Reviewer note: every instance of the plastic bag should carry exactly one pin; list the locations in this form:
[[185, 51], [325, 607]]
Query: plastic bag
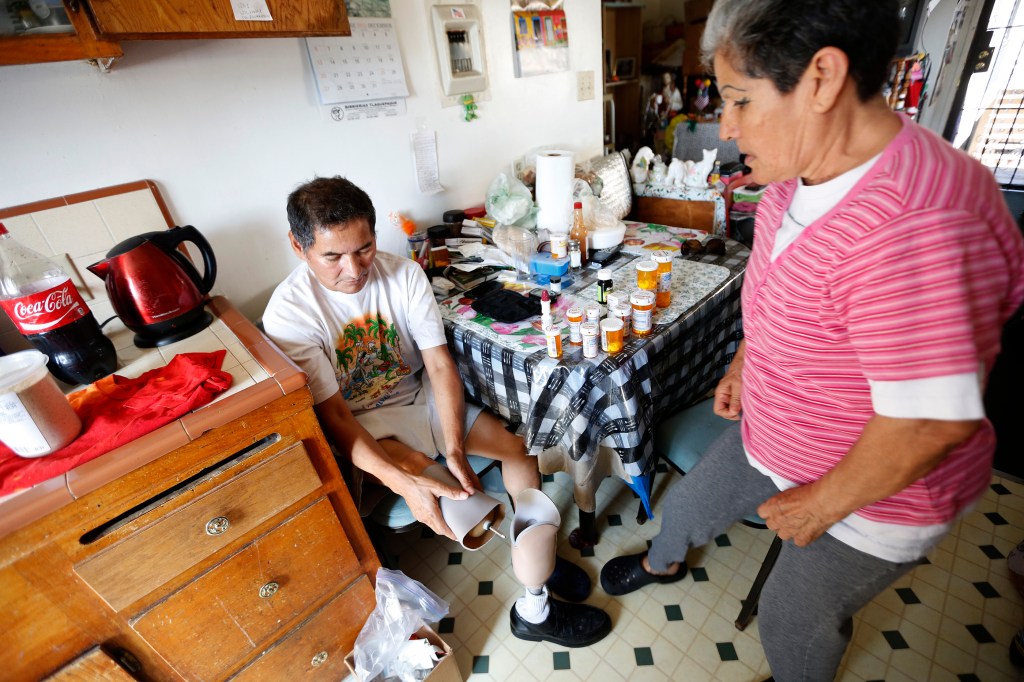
[[403, 606], [509, 202]]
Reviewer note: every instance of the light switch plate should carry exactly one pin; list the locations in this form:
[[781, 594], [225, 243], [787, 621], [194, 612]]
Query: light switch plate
[[584, 85]]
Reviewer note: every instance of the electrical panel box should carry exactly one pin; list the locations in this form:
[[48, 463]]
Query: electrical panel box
[[459, 40]]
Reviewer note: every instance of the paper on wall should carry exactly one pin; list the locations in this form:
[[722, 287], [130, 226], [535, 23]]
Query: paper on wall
[[424, 153]]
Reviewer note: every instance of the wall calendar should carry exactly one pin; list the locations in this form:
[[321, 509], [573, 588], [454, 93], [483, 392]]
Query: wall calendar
[[364, 66]]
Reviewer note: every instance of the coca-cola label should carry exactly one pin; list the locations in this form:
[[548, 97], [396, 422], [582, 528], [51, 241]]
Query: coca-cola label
[[46, 310]]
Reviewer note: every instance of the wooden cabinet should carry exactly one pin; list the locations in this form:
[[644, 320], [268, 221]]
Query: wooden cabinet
[[100, 24], [82, 43], [215, 19], [240, 553]]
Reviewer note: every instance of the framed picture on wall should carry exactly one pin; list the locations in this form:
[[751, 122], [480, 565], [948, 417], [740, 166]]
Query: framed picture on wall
[[625, 68]]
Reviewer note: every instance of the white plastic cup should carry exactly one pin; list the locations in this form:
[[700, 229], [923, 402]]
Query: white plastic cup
[[35, 416]]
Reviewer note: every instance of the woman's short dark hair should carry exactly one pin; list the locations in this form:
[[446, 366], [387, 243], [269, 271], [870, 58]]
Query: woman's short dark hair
[[776, 39], [323, 203]]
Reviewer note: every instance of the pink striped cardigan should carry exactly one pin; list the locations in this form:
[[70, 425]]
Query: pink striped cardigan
[[911, 276]]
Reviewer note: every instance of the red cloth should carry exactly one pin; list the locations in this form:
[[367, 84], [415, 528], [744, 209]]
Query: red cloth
[[116, 410]]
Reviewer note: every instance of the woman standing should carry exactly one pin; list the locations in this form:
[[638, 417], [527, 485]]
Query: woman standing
[[884, 267]]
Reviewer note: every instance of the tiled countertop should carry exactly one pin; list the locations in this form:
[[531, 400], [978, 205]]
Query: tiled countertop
[[261, 374]]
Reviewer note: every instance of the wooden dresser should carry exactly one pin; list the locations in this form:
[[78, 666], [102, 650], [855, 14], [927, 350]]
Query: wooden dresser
[[237, 555]]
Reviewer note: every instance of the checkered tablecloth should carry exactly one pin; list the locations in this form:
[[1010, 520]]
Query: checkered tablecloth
[[612, 401]]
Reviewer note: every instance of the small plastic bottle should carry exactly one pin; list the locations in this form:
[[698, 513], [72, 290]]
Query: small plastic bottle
[[604, 285], [664, 290], [574, 315], [555, 284]]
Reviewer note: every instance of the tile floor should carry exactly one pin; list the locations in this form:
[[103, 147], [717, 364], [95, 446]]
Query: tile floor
[[949, 619]]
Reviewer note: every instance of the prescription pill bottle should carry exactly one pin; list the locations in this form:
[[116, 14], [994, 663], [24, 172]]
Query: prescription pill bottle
[[617, 298], [575, 317], [643, 311], [590, 342], [559, 244], [593, 313], [611, 335], [624, 311], [647, 275], [553, 335], [663, 259]]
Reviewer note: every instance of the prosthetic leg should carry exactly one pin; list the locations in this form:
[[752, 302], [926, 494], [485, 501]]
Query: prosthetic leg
[[536, 616], [474, 520]]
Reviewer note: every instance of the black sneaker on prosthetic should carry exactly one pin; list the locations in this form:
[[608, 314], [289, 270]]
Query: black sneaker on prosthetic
[[568, 625]]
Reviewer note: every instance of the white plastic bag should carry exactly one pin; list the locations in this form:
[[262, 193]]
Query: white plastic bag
[[403, 606], [509, 202]]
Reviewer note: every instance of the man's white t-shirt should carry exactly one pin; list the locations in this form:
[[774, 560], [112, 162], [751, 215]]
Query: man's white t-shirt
[[368, 343]]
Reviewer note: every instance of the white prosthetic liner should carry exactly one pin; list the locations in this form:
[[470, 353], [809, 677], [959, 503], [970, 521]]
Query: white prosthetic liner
[[534, 538], [470, 519]]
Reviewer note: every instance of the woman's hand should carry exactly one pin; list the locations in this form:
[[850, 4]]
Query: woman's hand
[[798, 514], [727, 393]]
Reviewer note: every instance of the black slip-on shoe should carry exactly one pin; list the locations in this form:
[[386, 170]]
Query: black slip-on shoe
[[569, 581], [568, 625], [625, 574]]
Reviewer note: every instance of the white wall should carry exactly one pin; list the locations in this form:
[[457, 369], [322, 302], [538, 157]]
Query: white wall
[[227, 128]]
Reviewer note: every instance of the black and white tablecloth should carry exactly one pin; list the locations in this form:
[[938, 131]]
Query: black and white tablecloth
[[588, 407]]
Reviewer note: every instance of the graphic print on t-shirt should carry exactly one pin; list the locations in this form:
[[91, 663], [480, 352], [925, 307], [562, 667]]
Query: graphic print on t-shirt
[[368, 360]]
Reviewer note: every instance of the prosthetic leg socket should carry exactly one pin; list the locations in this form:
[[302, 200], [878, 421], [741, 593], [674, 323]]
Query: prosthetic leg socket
[[534, 537], [474, 520]]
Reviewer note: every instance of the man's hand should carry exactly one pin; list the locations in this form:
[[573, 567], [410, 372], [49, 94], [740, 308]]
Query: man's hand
[[460, 468], [421, 493], [798, 514]]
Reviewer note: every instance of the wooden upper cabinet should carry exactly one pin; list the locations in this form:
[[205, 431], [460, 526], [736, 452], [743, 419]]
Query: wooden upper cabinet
[[100, 24], [81, 43], [141, 19]]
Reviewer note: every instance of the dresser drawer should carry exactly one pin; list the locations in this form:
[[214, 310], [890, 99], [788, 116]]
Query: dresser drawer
[[316, 649], [139, 563], [221, 617]]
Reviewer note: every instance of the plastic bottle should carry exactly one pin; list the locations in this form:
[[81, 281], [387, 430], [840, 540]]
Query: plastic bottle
[[48, 311], [716, 174], [604, 285], [579, 232]]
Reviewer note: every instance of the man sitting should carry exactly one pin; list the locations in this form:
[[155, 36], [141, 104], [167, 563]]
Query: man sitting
[[363, 325]]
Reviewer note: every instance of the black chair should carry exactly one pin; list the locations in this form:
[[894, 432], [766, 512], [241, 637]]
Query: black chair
[[681, 440]]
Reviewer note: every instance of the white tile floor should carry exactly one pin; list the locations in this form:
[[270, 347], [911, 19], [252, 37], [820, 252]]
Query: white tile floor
[[951, 619]]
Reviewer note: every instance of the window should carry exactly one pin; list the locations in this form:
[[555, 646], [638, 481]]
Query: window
[[991, 126]]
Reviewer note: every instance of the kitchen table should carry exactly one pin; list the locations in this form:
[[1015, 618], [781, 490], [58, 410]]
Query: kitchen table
[[595, 417]]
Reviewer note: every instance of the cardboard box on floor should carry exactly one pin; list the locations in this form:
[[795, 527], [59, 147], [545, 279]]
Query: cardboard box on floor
[[446, 670]]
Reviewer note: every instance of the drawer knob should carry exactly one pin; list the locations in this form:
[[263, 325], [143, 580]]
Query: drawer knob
[[319, 659], [217, 525], [269, 590]]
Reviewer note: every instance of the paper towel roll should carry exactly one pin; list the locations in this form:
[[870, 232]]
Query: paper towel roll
[[555, 170]]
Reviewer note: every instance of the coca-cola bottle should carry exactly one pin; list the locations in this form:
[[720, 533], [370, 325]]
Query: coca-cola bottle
[[47, 309]]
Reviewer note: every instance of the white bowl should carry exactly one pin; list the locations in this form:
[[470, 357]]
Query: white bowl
[[607, 237]]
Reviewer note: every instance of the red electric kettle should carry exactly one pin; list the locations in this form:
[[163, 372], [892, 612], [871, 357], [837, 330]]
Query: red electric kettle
[[155, 289]]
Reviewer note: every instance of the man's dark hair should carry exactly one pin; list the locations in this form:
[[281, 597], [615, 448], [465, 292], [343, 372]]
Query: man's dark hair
[[322, 203], [776, 39]]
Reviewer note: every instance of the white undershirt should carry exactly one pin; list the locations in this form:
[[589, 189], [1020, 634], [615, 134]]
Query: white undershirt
[[951, 397]]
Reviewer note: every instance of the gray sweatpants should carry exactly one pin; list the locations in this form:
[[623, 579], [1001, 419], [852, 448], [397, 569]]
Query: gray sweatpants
[[805, 615]]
